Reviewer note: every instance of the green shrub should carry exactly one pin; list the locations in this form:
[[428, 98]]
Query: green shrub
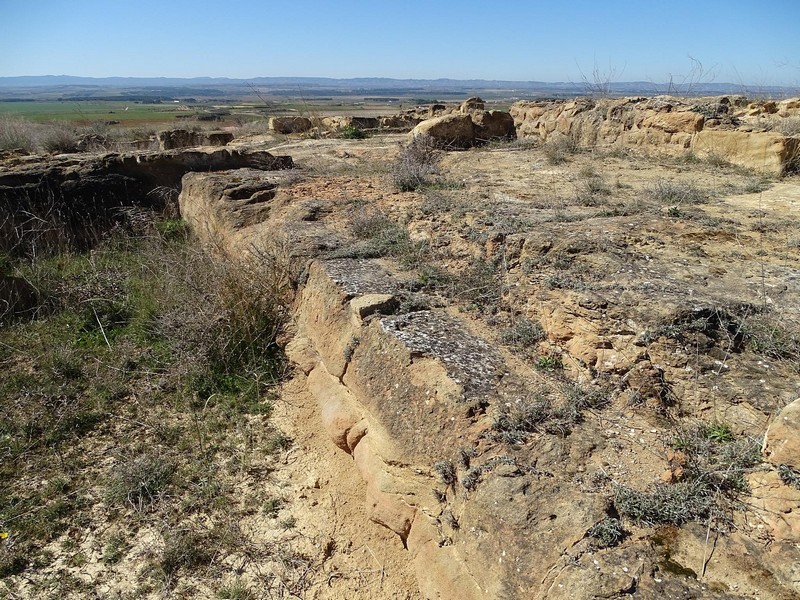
[[608, 532], [789, 476], [713, 478], [352, 132]]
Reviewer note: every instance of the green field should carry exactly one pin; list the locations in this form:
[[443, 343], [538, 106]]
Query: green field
[[86, 112]]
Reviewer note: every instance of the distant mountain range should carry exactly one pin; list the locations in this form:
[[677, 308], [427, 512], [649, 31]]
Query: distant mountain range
[[385, 84]]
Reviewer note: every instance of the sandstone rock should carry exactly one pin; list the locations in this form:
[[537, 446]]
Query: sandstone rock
[[215, 205], [89, 191], [767, 152], [669, 124], [782, 441], [493, 124], [337, 406], [217, 138], [288, 125], [301, 352], [441, 573], [176, 138], [674, 122], [472, 104], [777, 505], [399, 122], [385, 506], [369, 304], [448, 131], [435, 110]]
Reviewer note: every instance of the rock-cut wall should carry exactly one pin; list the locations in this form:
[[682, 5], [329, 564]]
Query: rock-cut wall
[[717, 128]]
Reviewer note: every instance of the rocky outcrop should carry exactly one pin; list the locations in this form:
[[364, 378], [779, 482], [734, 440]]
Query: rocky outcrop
[[782, 441], [450, 131], [183, 138], [77, 197], [763, 151], [493, 125], [338, 123], [287, 125], [417, 397], [471, 105], [667, 124], [467, 129]]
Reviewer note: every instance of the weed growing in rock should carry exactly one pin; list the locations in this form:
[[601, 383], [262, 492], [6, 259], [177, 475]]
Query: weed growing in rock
[[608, 533], [446, 472], [711, 468], [665, 503], [378, 236], [477, 286], [789, 476], [523, 334], [540, 413]]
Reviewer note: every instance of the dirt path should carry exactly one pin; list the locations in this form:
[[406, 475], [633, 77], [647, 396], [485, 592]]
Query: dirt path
[[360, 559]]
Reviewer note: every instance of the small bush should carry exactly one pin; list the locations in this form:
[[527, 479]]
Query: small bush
[[539, 414], [140, 481], [59, 139], [714, 466], [17, 134], [477, 286], [771, 337], [787, 125], [676, 193], [378, 236], [446, 472], [114, 550], [415, 165], [523, 334], [353, 133], [549, 362], [789, 476], [666, 503], [559, 149], [186, 549], [237, 590], [608, 532]]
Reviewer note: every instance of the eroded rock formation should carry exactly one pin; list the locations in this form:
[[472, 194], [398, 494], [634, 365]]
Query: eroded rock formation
[[670, 125]]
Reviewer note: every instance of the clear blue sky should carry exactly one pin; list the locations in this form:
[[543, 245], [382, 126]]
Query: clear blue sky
[[737, 41]]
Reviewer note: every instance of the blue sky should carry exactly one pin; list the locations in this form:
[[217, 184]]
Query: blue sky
[[737, 41]]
